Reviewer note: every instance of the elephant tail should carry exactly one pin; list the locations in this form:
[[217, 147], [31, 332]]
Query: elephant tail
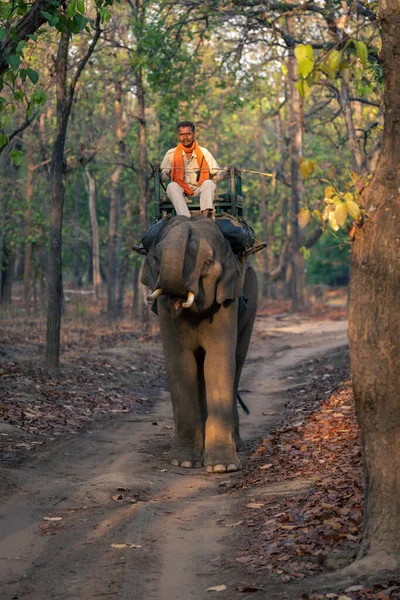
[[243, 404]]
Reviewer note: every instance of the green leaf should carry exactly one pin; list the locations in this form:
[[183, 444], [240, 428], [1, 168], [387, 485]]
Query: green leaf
[[80, 5], [362, 53], [13, 60], [19, 96], [334, 60], [71, 11], [306, 252], [3, 140], [52, 19], [104, 15], [33, 75], [82, 21], [39, 97], [3, 34], [20, 46], [16, 156], [304, 58]]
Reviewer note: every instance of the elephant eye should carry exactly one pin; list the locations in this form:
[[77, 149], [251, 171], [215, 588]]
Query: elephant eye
[[207, 263]]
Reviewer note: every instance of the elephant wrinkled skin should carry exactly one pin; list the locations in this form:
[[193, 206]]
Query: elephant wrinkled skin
[[205, 326]]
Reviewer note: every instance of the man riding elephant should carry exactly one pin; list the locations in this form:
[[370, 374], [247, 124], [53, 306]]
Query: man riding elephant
[[193, 170]]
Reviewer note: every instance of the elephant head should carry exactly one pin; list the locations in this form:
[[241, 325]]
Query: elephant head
[[191, 266]]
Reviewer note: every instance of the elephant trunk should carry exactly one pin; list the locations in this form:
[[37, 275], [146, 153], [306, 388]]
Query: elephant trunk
[[173, 258]]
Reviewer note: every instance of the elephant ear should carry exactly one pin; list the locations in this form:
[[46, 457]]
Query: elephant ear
[[229, 285], [149, 276]]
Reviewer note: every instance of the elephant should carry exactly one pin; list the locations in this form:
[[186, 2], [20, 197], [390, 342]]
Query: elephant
[[206, 300]]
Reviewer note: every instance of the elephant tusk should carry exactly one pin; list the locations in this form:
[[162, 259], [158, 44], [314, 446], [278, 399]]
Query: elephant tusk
[[154, 295], [189, 301]]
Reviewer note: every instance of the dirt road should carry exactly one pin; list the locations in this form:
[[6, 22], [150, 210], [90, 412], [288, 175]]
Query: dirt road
[[103, 515]]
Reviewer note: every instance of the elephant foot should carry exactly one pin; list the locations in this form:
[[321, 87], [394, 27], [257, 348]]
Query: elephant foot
[[239, 442], [185, 458], [222, 461]]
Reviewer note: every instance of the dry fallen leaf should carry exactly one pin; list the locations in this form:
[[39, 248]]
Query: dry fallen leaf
[[216, 588], [234, 524], [243, 559], [52, 518], [265, 467], [120, 546], [255, 505]]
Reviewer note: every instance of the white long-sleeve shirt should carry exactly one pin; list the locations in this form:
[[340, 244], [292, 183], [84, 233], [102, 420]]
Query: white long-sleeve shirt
[[191, 166]]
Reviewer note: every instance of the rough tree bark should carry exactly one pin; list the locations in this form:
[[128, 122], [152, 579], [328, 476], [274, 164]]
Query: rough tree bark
[[28, 218], [112, 309], [95, 234], [54, 289], [65, 96], [374, 324], [298, 279]]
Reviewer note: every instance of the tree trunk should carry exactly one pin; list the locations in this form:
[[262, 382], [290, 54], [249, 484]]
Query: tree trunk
[[354, 142], [112, 310], [136, 293], [28, 241], [7, 264], [54, 288], [76, 246], [374, 323], [142, 151], [95, 234], [298, 280], [65, 98]]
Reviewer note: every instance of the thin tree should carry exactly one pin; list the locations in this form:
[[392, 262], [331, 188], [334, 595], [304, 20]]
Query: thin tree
[[65, 97]]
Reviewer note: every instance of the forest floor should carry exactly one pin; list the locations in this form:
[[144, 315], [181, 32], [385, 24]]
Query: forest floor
[[90, 507]]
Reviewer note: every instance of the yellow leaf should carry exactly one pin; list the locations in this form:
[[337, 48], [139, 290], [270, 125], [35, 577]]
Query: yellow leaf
[[307, 167], [353, 209], [332, 221], [318, 215], [341, 213], [327, 212], [329, 192], [216, 588], [348, 197], [303, 217], [335, 58], [303, 51]]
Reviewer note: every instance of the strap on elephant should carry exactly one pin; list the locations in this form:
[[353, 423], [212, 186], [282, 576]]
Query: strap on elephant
[[235, 229]]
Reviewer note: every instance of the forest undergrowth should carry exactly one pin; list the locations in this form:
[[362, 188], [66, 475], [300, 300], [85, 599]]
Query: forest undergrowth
[[305, 480]]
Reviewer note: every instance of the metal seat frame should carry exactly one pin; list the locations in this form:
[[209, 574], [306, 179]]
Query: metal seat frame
[[231, 202]]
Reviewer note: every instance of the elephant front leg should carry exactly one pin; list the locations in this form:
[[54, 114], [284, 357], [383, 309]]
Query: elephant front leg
[[220, 447], [187, 450]]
